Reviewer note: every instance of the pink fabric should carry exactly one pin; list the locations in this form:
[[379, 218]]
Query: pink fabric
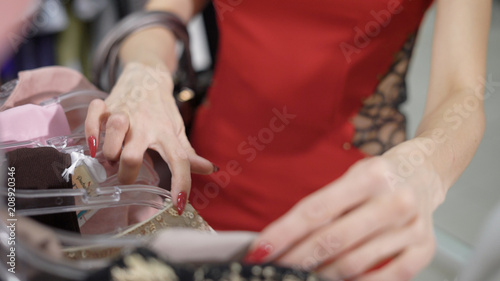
[[22, 119], [12, 15], [112, 220], [33, 122], [107, 221], [44, 83]]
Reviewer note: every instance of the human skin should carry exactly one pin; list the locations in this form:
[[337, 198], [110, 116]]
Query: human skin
[[377, 210], [12, 18]]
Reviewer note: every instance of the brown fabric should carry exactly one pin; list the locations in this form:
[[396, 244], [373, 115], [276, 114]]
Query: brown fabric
[[39, 169]]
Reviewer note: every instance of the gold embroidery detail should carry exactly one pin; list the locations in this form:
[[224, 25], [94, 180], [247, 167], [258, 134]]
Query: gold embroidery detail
[[168, 217], [140, 269]]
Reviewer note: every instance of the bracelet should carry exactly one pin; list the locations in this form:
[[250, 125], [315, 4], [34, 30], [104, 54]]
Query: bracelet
[[107, 53]]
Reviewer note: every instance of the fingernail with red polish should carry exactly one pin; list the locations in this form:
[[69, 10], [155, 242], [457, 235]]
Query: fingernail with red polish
[[181, 202], [92, 146], [259, 254], [216, 168], [380, 265]]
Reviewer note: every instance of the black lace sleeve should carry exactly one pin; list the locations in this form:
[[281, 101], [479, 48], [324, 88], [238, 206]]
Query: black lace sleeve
[[380, 124]]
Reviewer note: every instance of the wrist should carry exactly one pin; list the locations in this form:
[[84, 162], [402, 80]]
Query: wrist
[[412, 167], [150, 47], [147, 61], [150, 73]]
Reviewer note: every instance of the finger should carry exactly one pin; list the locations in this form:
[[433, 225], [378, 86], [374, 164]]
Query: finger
[[131, 159], [117, 127], [374, 252], [199, 165], [364, 223], [178, 161], [405, 266], [318, 209], [95, 113]]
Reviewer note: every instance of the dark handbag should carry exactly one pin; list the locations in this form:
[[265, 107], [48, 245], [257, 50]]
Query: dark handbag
[[187, 96]]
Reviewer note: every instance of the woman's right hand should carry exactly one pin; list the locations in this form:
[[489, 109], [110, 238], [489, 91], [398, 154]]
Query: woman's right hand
[[141, 113]]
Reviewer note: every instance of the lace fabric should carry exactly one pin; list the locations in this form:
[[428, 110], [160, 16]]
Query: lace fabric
[[380, 124], [146, 265]]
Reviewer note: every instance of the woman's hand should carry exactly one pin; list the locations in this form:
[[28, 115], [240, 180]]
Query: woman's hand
[[141, 113], [370, 216]]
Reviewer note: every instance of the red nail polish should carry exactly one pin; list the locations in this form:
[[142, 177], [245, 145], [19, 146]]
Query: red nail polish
[[380, 265], [181, 202], [92, 146], [259, 254], [216, 168]]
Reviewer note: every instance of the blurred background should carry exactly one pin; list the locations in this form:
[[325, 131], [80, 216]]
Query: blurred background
[[459, 219], [67, 32]]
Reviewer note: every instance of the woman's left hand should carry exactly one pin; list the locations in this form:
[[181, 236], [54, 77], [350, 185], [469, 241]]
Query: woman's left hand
[[370, 217]]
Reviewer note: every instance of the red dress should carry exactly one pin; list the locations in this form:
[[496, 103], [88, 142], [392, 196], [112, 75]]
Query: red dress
[[290, 77]]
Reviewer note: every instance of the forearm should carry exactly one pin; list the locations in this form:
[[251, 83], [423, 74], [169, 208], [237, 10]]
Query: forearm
[[444, 145], [154, 45], [456, 128], [453, 122]]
